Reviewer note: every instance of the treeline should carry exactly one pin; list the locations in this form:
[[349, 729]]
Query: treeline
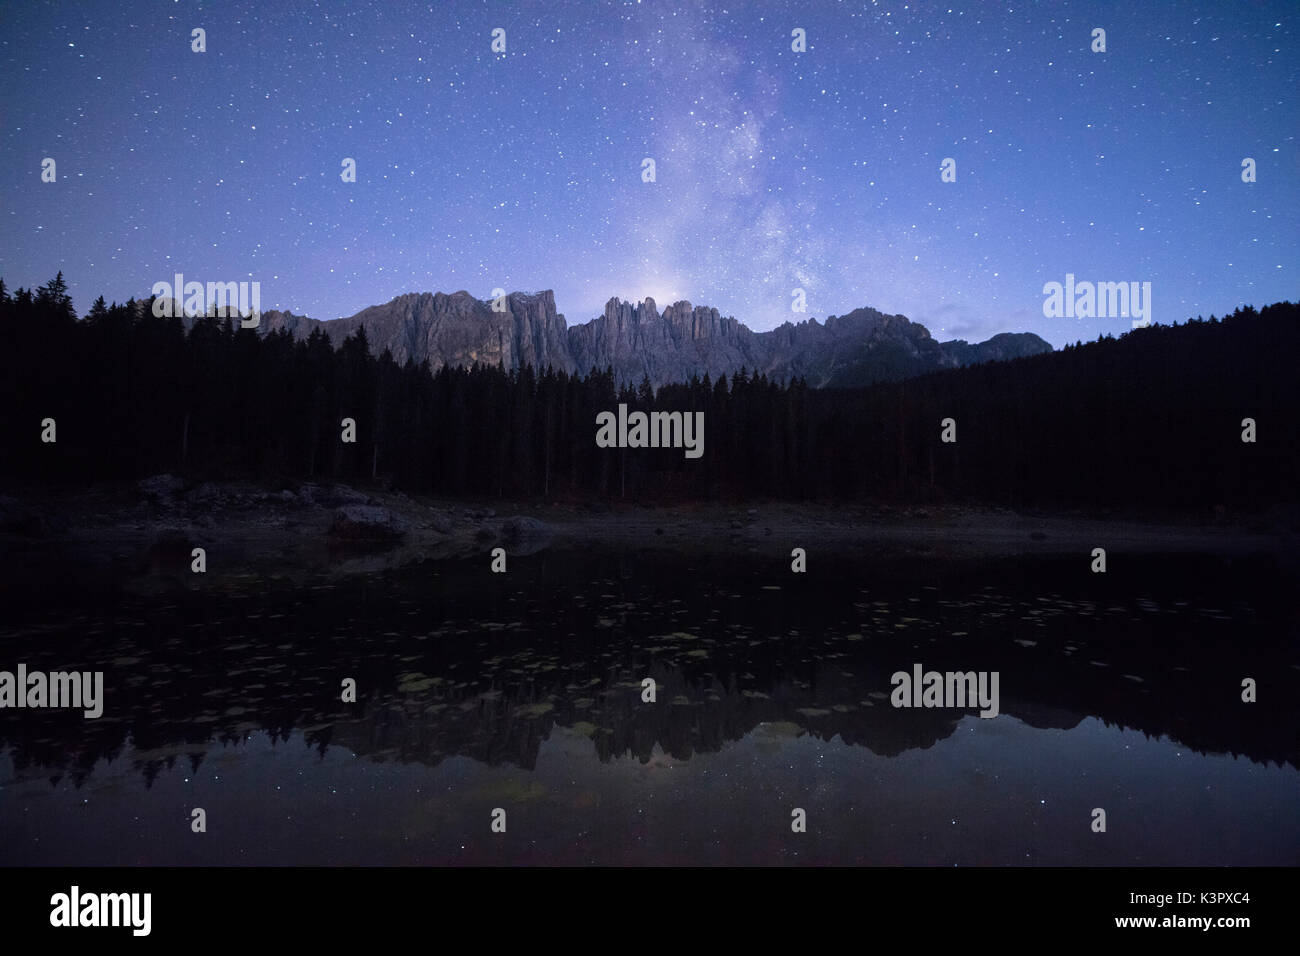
[[1153, 418]]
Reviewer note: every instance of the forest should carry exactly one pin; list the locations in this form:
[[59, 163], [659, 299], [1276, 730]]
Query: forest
[[1152, 419]]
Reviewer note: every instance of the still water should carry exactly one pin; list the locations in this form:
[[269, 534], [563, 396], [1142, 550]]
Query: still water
[[523, 691]]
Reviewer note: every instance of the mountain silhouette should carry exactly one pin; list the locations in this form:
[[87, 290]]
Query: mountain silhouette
[[638, 341]]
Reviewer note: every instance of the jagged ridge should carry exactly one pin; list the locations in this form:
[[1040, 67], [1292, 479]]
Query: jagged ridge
[[638, 341]]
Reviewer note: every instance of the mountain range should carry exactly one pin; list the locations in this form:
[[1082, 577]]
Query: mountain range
[[637, 340]]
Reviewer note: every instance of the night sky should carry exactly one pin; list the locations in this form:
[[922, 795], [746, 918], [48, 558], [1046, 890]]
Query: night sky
[[775, 169]]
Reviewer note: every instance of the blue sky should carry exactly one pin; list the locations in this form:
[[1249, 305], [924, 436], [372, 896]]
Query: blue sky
[[775, 169]]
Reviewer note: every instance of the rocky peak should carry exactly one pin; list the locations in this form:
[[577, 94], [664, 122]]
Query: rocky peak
[[636, 340]]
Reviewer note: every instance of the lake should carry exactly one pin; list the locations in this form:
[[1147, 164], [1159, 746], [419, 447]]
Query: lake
[[523, 692]]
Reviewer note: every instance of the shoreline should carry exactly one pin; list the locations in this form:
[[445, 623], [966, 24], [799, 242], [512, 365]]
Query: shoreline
[[149, 529]]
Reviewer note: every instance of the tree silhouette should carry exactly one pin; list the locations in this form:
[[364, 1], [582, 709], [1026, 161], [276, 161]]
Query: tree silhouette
[[1151, 419]]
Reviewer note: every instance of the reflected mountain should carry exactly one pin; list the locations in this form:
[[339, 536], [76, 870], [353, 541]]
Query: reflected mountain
[[451, 660]]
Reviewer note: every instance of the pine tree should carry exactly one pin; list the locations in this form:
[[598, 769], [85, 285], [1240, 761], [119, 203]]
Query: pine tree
[[98, 312], [54, 297]]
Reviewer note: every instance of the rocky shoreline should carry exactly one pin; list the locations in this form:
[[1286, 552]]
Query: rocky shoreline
[[149, 529]]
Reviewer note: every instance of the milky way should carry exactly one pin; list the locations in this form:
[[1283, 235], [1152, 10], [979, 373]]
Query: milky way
[[775, 169]]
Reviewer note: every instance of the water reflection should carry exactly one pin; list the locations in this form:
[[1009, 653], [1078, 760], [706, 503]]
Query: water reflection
[[772, 692]]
